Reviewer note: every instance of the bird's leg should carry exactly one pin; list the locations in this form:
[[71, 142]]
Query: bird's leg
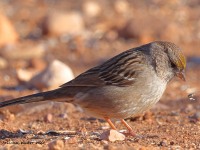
[[110, 123], [128, 127]]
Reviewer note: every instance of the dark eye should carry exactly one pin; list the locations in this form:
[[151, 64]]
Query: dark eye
[[173, 66]]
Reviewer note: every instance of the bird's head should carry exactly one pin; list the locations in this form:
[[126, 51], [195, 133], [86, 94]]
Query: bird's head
[[173, 60]]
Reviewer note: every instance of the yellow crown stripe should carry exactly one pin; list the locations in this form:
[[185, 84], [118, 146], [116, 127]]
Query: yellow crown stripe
[[181, 63]]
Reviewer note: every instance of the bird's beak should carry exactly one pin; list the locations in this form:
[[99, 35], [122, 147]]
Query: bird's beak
[[181, 75]]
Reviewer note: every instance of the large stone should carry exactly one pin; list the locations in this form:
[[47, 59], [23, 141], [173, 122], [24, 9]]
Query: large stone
[[59, 23], [92, 8], [8, 35], [56, 74]]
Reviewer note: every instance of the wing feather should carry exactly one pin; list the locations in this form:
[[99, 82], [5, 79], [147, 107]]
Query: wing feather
[[121, 70]]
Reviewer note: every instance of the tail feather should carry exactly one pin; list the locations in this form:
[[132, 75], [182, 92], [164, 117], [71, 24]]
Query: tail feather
[[43, 96]]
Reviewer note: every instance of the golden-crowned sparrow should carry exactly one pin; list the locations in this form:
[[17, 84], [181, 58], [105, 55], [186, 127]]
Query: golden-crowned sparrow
[[127, 84]]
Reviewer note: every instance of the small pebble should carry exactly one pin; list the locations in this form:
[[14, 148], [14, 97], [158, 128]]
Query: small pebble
[[191, 90], [72, 140], [112, 136], [63, 115], [105, 127], [25, 131], [48, 118], [56, 145], [8, 34], [191, 97], [92, 8], [66, 138], [163, 143], [104, 142], [172, 143]]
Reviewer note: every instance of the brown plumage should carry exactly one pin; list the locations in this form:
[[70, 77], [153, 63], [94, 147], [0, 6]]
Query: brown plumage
[[127, 84]]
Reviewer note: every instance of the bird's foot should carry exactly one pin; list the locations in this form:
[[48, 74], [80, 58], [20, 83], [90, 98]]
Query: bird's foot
[[130, 133]]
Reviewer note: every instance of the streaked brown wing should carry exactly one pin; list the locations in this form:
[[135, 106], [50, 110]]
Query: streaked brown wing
[[88, 78], [120, 70]]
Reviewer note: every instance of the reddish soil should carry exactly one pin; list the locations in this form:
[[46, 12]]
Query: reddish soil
[[174, 123]]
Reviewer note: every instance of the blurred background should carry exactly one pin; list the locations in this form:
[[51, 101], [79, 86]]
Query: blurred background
[[83, 34]]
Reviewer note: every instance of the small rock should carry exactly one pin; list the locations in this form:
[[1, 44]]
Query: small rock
[[56, 145], [25, 131], [191, 97], [66, 138], [112, 136], [63, 115], [56, 74], [104, 142], [8, 35], [190, 90], [72, 140], [122, 6], [81, 146], [48, 118], [105, 127], [3, 63], [59, 23], [172, 143], [35, 66], [163, 143], [92, 8], [24, 75]]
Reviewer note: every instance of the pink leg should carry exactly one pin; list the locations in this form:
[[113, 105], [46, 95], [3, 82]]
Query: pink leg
[[128, 127], [110, 123]]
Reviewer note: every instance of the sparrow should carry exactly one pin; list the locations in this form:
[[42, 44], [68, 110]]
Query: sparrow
[[123, 86]]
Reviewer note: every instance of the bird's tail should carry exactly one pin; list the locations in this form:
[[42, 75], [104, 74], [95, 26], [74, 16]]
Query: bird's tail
[[56, 94]]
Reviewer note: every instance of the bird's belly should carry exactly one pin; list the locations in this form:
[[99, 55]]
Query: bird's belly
[[121, 102]]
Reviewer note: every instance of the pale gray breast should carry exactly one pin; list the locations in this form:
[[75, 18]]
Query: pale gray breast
[[122, 102]]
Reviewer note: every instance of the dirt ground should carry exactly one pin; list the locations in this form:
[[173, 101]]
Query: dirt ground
[[173, 123]]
